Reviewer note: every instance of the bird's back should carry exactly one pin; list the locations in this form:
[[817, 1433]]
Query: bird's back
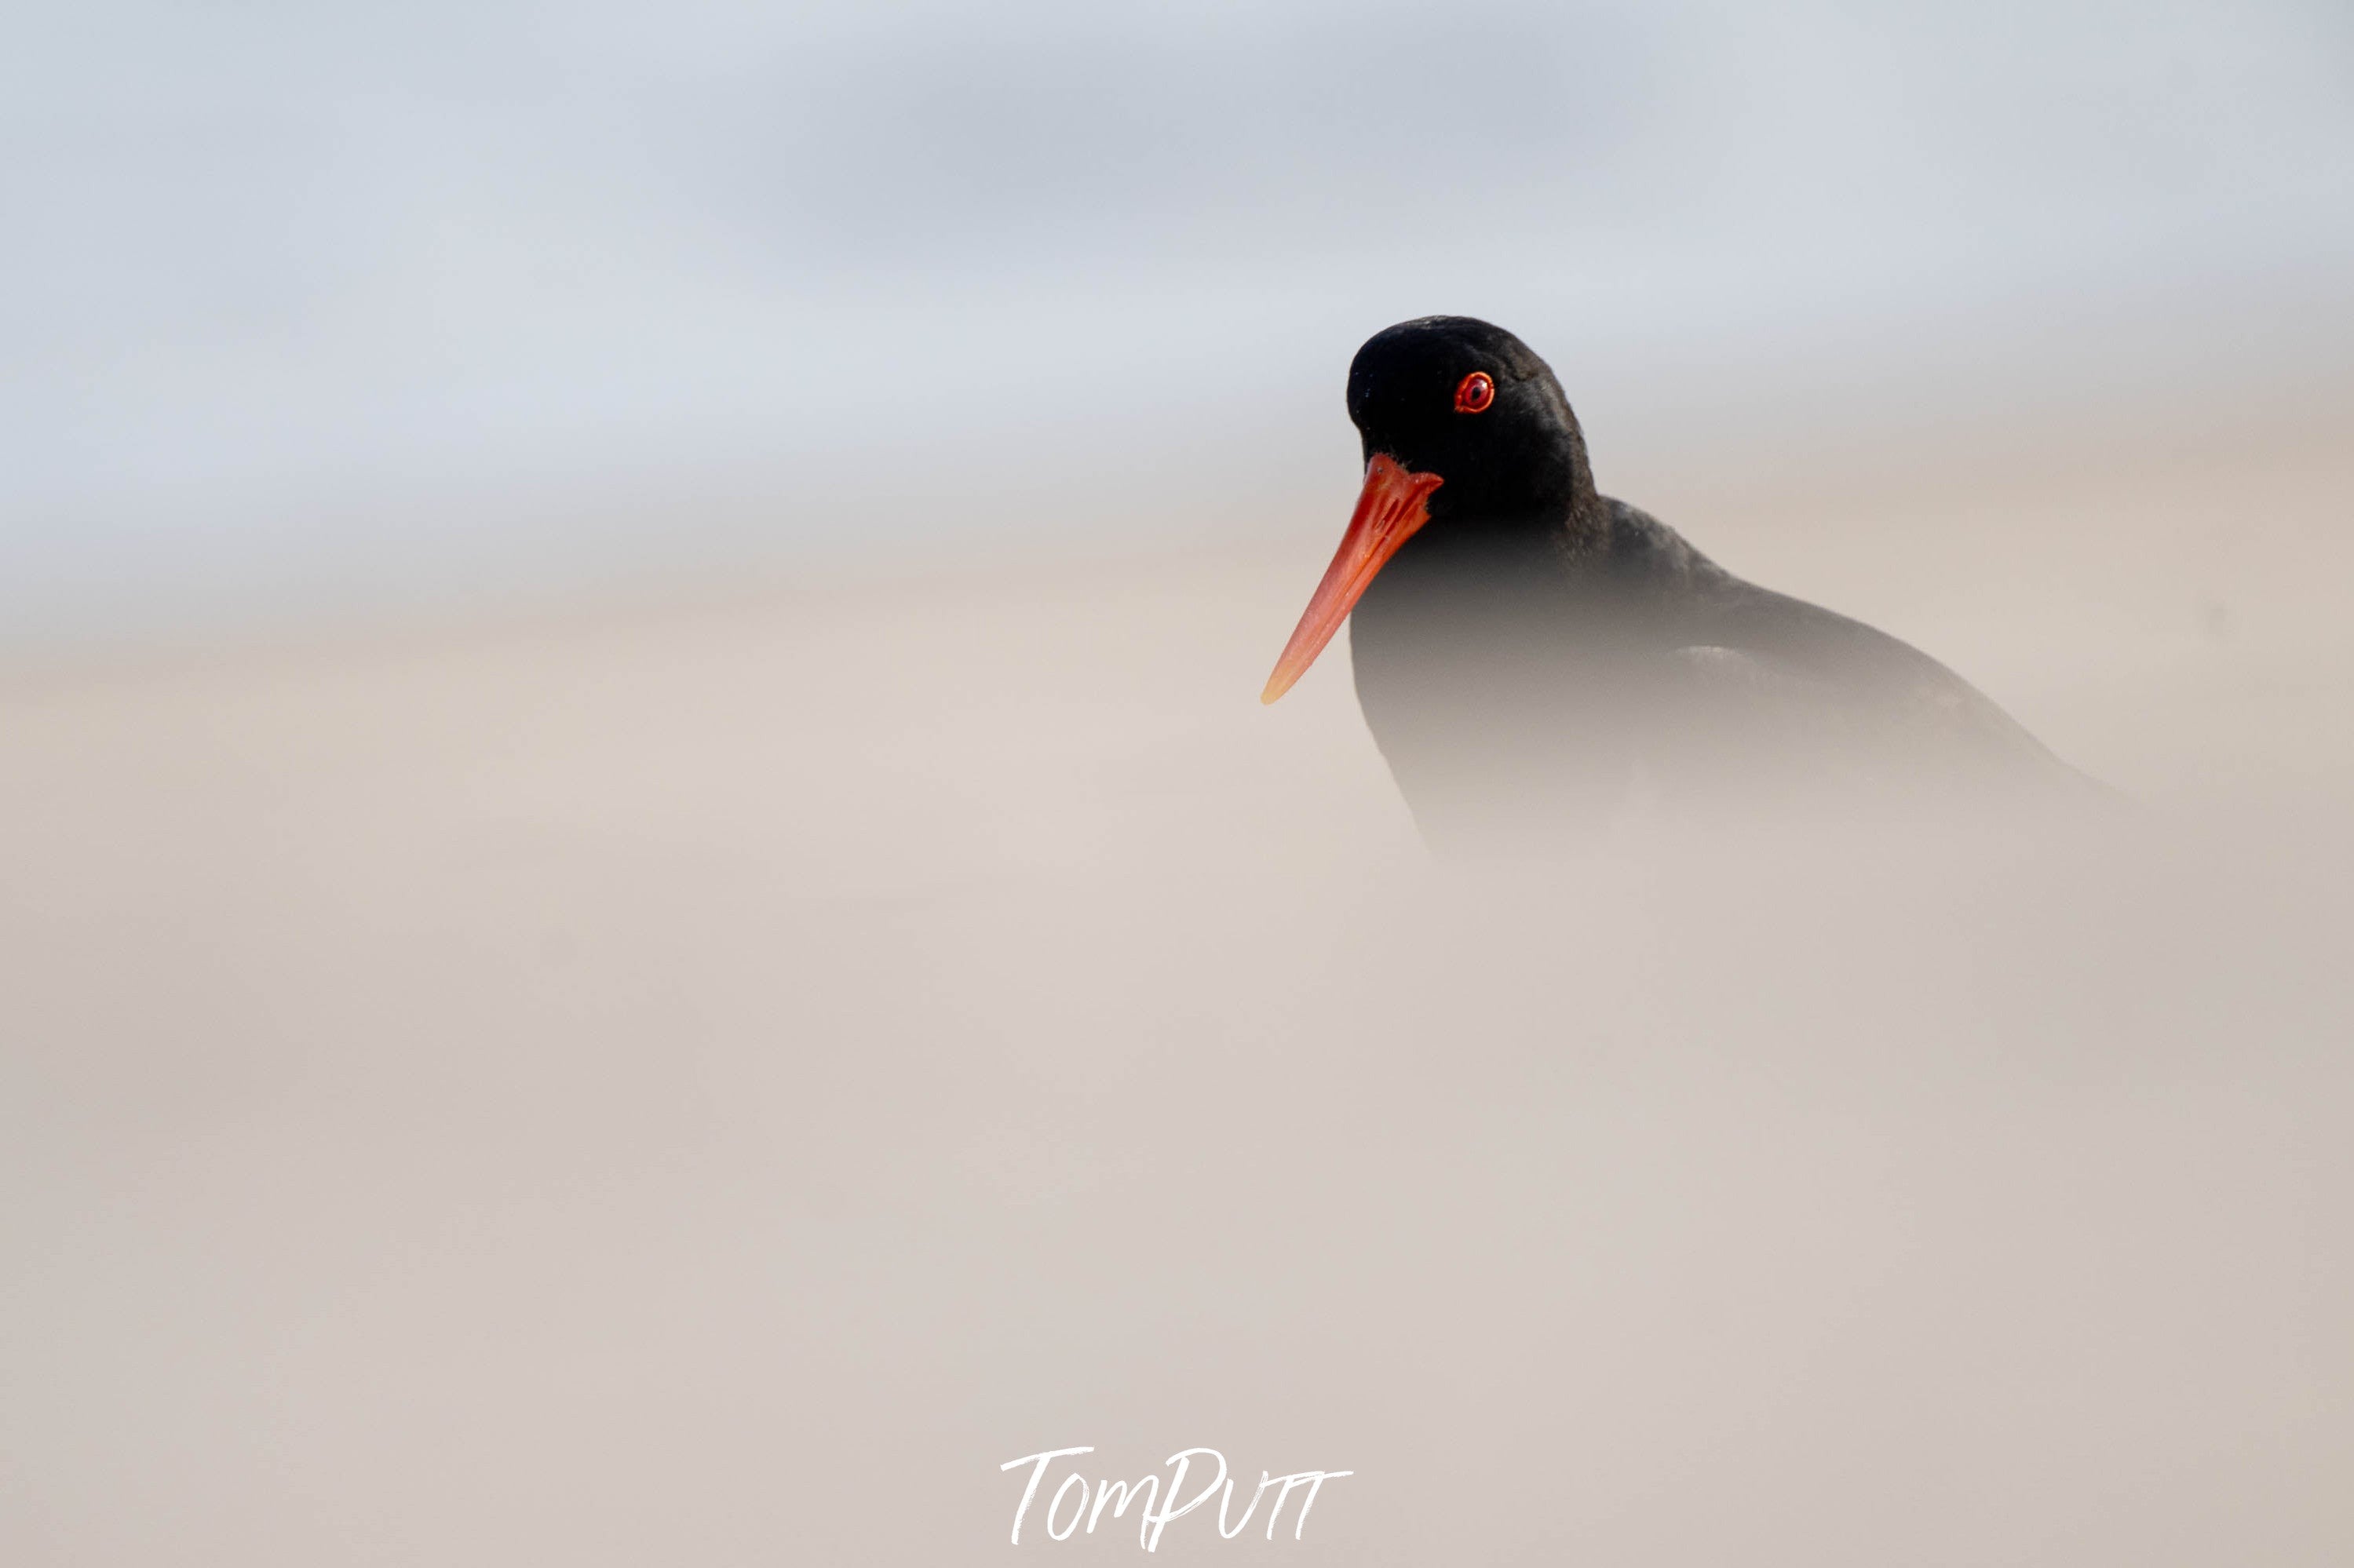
[[1657, 676], [1827, 692]]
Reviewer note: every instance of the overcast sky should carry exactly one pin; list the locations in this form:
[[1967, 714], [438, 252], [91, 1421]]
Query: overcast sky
[[290, 282]]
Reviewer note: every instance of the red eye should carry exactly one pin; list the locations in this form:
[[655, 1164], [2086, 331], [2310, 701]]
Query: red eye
[[1474, 393]]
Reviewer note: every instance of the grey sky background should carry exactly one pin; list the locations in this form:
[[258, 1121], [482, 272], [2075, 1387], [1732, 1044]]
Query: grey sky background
[[301, 301]]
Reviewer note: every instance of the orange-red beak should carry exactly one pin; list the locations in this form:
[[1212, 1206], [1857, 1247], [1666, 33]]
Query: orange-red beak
[[1391, 509]]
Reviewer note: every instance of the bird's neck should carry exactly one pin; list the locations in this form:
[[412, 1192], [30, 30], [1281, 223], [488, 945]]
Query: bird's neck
[[1541, 513], [1543, 544], [1506, 545]]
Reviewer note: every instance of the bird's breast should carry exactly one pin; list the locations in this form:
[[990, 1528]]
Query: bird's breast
[[1486, 689]]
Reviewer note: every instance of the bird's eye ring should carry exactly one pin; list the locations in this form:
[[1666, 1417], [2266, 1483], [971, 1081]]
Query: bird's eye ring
[[1474, 393]]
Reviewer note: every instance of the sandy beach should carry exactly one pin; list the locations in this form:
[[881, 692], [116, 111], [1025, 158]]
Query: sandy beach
[[706, 1077]]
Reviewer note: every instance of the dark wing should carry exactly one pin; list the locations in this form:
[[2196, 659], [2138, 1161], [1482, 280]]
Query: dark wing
[[1839, 683], [1767, 677]]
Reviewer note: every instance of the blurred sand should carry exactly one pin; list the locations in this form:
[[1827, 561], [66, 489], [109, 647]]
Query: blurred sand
[[706, 1082]]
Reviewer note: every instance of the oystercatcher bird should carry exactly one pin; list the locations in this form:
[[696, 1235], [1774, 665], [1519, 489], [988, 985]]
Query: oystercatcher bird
[[1528, 650]]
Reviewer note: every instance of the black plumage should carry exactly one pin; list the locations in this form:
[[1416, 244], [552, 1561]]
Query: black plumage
[[1528, 648]]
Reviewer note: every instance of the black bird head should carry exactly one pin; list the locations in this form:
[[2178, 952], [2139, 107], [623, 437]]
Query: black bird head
[[1466, 433], [1473, 404]]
